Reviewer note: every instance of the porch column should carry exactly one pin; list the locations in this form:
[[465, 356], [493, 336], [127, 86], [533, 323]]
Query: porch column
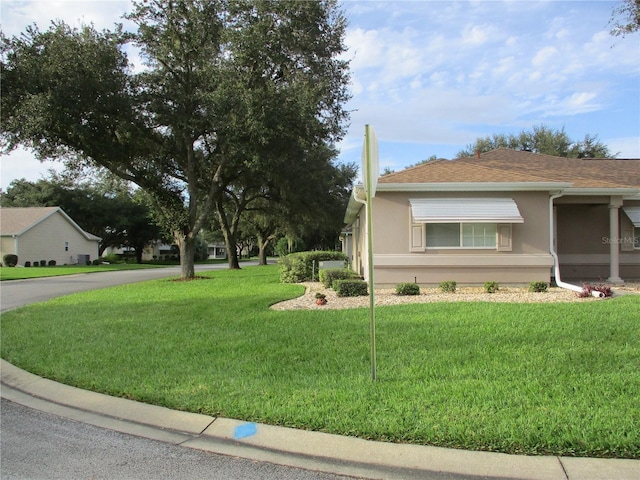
[[614, 240]]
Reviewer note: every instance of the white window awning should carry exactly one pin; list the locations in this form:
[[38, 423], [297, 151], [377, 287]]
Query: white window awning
[[465, 210], [634, 215]]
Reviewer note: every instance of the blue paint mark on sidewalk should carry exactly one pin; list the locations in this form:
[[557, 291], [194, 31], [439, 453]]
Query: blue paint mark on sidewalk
[[245, 430]]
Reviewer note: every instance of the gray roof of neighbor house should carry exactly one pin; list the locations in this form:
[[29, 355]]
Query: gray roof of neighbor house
[[511, 166], [14, 221]]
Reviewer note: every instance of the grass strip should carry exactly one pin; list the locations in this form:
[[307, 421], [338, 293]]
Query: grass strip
[[22, 273], [558, 379]]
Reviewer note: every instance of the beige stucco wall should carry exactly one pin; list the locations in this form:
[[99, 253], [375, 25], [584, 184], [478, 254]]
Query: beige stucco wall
[[582, 224], [529, 259], [7, 246], [392, 220], [46, 241]]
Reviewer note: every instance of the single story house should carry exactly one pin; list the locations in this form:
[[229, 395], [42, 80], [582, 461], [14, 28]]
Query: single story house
[[507, 216], [158, 250], [45, 233]]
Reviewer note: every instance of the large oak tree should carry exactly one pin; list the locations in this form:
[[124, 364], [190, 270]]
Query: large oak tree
[[231, 91]]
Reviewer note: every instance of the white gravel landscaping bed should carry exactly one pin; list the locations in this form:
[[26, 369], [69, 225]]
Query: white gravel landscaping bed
[[428, 295]]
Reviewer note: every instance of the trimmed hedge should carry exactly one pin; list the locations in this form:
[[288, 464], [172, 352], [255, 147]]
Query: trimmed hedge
[[408, 289], [330, 275], [298, 267], [351, 288], [10, 260]]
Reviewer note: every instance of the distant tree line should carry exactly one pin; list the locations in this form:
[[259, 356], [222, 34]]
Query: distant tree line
[[541, 139]]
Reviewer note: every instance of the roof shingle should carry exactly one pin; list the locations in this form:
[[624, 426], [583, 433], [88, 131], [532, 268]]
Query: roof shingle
[[511, 166], [14, 221]]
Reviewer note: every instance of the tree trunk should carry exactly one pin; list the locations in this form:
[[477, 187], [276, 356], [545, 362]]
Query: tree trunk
[[262, 255], [232, 255], [139, 255], [187, 246], [262, 250], [229, 234]]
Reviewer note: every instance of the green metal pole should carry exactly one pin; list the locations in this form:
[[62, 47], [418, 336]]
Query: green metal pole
[[372, 315]]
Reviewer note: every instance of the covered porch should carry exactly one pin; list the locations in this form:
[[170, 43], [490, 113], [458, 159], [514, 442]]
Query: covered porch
[[596, 237]]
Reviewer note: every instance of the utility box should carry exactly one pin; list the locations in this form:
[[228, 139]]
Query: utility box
[[331, 264]]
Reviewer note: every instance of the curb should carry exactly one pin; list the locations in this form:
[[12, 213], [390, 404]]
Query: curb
[[297, 448]]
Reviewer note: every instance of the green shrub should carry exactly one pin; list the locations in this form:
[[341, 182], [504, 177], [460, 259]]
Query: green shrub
[[111, 258], [10, 260], [284, 246], [491, 287], [299, 267], [27, 264], [538, 286], [43, 263], [52, 263], [351, 288], [96, 262], [408, 289], [449, 286], [330, 275]]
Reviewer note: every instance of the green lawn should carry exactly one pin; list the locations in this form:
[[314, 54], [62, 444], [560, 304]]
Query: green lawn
[[519, 378], [21, 273]]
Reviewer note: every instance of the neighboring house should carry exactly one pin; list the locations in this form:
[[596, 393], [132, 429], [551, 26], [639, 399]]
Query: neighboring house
[[45, 233], [157, 250], [217, 251], [501, 216]]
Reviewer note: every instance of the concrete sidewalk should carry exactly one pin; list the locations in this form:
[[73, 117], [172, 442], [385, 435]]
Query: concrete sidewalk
[[303, 449]]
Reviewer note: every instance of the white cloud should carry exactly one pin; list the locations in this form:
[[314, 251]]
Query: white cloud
[[625, 147], [365, 47], [544, 55], [475, 35], [22, 164], [492, 67], [101, 13]]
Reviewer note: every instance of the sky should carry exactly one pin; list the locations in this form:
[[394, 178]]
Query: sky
[[431, 77]]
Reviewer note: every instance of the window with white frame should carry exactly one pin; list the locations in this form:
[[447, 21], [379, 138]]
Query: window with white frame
[[461, 235], [443, 235], [479, 235], [465, 223]]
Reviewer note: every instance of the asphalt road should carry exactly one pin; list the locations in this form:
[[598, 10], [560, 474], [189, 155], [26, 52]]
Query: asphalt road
[[37, 445]]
